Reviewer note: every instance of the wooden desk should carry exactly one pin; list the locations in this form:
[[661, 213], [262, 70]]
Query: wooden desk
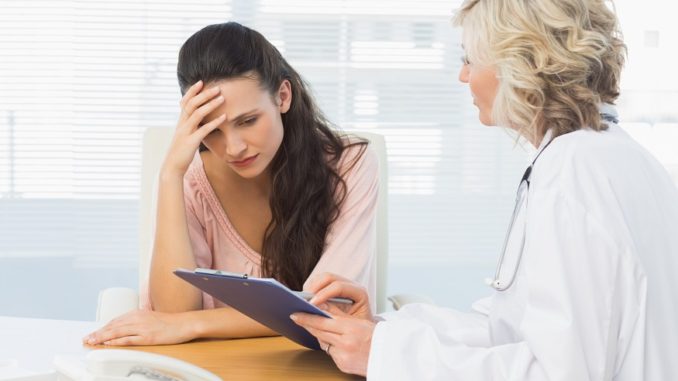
[[273, 358], [33, 343]]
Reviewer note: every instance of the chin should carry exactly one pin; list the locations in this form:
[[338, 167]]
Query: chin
[[252, 172], [485, 120], [249, 173]]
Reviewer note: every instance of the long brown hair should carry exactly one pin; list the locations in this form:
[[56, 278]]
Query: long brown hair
[[307, 189]]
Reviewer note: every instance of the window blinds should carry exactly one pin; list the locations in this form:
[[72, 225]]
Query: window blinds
[[81, 80]]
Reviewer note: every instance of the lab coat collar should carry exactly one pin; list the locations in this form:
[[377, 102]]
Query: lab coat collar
[[607, 111], [544, 141]]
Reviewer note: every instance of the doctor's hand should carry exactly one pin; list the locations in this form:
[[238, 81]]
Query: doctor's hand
[[345, 338], [142, 327], [328, 285]]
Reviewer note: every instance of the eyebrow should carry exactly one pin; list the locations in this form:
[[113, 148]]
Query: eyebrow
[[244, 115], [236, 119]]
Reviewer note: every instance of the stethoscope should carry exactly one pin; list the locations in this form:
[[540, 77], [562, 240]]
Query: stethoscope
[[521, 198]]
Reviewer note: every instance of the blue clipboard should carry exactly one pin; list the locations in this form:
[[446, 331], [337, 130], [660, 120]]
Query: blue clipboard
[[263, 299]]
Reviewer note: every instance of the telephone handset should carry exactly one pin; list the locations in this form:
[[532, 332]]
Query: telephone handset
[[126, 365]]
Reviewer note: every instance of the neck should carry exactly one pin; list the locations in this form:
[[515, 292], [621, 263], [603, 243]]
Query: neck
[[533, 137], [536, 139], [259, 186]]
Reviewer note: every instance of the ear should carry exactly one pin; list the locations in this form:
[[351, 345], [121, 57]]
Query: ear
[[284, 97]]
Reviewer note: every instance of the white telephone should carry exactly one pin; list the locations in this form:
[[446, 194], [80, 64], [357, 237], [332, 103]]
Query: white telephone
[[127, 365]]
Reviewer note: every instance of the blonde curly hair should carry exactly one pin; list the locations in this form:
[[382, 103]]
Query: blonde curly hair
[[556, 60]]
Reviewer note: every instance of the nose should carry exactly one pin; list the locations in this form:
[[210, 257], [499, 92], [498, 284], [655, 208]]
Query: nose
[[235, 145], [463, 73]]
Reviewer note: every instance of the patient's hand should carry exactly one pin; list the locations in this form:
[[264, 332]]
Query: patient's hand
[[142, 327]]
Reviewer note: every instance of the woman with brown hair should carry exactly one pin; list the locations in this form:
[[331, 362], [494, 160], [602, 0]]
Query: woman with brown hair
[[255, 181]]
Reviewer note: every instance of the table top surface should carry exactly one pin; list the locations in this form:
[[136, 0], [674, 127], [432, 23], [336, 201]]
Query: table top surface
[[271, 358], [33, 343]]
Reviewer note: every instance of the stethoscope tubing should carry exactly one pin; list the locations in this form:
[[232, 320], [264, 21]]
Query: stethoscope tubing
[[496, 282]]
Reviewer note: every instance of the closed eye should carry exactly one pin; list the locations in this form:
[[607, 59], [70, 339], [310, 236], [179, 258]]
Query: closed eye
[[248, 121]]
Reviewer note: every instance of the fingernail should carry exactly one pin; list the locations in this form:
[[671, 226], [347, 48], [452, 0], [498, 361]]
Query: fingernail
[[293, 317], [313, 299]]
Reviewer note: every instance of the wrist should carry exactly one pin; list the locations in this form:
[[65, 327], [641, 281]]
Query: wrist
[[171, 175], [191, 325]]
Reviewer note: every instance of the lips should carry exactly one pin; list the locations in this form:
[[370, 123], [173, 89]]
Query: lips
[[245, 162]]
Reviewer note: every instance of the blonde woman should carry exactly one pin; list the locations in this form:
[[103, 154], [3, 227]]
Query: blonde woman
[[584, 289]]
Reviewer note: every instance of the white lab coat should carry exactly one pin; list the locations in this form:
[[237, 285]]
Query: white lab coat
[[595, 295]]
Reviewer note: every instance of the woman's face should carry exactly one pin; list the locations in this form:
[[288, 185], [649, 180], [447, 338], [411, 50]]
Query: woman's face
[[253, 131], [483, 84]]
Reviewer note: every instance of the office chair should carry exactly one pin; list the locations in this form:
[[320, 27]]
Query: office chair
[[117, 301]]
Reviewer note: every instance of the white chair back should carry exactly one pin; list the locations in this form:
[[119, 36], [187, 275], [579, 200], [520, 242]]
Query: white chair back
[[378, 144], [155, 144]]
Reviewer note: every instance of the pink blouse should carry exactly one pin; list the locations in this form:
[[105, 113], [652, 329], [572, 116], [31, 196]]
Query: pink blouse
[[350, 249]]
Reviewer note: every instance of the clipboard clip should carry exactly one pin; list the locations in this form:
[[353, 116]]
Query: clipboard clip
[[220, 272]]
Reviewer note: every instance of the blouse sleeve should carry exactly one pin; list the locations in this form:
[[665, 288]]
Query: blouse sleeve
[[194, 205], [351, 243], [196, 216]]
